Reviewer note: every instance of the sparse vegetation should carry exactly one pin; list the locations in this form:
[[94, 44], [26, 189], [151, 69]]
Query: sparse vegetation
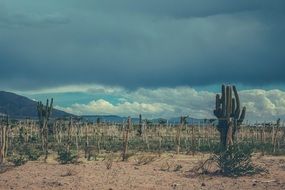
[[32, 152], [18, 160], [105, 137], [67, 156], [236, 161]]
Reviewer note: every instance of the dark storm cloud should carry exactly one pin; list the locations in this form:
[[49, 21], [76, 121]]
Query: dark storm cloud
[[141, 43]]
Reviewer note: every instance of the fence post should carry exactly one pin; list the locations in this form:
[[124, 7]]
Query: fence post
[[126, 139]]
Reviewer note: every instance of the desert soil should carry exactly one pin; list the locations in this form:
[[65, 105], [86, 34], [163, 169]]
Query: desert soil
[[165, 172]]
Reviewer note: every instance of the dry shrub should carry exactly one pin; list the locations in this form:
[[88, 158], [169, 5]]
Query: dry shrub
[[128, 156], [177, 168], [109, 161], [234, 161], [208, 166], [144, 159], [166, 166], [69, 172]]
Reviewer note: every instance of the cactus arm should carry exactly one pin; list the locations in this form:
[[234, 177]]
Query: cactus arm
[[47, 103], [233, 107], [223, 100], [218, 102], [228, 102], [242, 116], [218, 110], [49, 109], [237, 111]]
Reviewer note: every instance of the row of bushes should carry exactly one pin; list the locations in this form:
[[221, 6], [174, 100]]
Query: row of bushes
[[23, 152], [28, 152]]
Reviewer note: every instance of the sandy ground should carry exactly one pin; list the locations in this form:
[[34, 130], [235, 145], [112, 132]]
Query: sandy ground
[[165, 172]]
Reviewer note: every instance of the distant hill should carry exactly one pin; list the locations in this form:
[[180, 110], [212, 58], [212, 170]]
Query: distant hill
[[108, 118], [17, 106], [120, 119]]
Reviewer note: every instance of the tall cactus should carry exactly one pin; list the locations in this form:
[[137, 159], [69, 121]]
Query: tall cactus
[[44, 113], [228, 113]]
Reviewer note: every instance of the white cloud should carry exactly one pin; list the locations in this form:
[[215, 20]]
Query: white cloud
[[261, 105], [160, 102], [94, 88], [127, 108], [264, 105]]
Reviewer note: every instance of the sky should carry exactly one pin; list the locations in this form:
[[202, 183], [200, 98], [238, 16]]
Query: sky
[[161, 58]]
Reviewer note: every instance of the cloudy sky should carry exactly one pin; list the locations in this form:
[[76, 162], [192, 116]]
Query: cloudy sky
[[155, 57]]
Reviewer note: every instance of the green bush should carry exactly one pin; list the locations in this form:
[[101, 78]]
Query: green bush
[[66, 156], [34, 139], [18, 160], [31, 152]]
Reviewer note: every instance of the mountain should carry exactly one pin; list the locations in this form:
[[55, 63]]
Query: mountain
[[17, 106], [120, 119], [108, 118], [191, 120]]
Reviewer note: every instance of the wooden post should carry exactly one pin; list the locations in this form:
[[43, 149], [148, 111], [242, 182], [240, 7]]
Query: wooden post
[[275, 135], [126, 139], [69, 134], [3, 141], [140, 130], [86, 139], [77, 126], [160, 138], [178, 135], [193, 145]]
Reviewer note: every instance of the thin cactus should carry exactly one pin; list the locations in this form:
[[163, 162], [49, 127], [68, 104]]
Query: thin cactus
[[178, 132], [140, 130], [4, 140], [44, 113], [228, 113], [275, 132]]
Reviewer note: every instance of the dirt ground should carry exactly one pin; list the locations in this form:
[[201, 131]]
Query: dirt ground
[[165, 172]]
